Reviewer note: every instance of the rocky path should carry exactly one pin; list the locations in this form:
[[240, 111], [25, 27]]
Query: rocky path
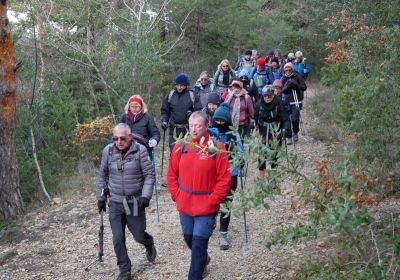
[[57, 242]]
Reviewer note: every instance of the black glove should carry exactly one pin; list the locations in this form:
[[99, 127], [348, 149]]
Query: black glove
[[143, 202], [101, 204], [164, 125], [188, 113]]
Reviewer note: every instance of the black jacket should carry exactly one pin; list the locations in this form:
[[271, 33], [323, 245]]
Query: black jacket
[[294, 83], [181, 106], [145, 127], [274, 113]]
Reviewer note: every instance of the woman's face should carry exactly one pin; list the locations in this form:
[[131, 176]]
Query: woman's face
[[225, 67], [236, 89], [135, 107]]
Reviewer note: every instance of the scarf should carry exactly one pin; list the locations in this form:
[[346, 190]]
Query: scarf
[[236, 107], [133, 118], [225, 78]]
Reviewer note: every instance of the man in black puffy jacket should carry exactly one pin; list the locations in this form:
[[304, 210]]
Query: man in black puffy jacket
[[126, 173], [177, 106]]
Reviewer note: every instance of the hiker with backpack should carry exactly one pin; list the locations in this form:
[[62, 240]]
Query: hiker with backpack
[[223, 76], [221, 130], [241, 108], [176, 108], [271, 115], [292, 94], [199, 180], [248, 85], [301, 66], [213, 101], [203, 87], [126, 173], [141, 122], [245, 62], [261, 76]]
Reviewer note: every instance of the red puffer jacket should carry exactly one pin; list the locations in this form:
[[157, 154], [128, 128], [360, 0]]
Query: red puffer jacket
[[198, 181]]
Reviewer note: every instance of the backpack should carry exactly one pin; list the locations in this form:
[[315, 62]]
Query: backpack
[[191, 94]]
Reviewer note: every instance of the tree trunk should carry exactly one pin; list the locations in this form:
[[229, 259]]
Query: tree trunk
[[10, 198]]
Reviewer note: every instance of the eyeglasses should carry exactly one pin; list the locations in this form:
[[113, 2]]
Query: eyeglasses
[[204, 79], [122, 139], [288, 70], [224, 66]]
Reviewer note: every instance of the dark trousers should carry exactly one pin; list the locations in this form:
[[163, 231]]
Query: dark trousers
[[136, 225], [224, 221], [175, 132], [196, 232], [244, 131], [294, 119]]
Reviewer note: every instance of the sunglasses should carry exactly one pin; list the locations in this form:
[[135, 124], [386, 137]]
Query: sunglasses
[[225, 66], [122, 139], [204, 79]]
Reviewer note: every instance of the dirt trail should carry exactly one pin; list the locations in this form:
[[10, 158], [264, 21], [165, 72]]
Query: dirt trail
[[57, 242]]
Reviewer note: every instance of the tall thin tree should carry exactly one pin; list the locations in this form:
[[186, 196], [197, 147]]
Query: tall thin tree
[[10, 197]]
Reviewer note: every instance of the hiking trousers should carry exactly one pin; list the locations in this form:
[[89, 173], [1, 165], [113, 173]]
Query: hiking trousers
[[174, 132], [196, 232], [136, 225]]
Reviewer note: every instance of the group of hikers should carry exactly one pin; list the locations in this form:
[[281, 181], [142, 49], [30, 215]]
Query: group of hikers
[[261, 93]]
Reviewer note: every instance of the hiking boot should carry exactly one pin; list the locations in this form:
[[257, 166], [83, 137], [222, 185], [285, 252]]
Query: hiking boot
[[223, 241], [151, 252], [296, 137], [124, 276], [289, 141]]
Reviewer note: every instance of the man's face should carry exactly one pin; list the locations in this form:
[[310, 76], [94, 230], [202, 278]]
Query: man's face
[[274, 65], [260, 68], [121, 138], [247, 57], [180, 88], [299, 58], [197, 127]]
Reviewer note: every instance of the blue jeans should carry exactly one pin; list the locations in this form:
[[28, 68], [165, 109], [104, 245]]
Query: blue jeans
[[197, 232]]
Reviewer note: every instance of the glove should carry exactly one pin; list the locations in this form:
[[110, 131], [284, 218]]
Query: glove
[[143, 202], [188, 113], [101, 204], [164, 125], [152, 143]]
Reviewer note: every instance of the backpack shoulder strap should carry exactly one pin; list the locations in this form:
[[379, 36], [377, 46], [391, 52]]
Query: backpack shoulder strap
[[192, 97], [171, 93], [110, 152]]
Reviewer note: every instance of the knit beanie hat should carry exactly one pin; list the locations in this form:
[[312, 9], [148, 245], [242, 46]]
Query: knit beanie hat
[[291, 56], [182, 79], [223, 113], [261, 61], [247, 52], [214, 98], [288, 65], [277, 83]]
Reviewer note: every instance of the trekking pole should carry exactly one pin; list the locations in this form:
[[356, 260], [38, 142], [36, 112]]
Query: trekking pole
[[297, 103], [155, 184], [101, 238], [162, 155], [287, 154], [244, 213]]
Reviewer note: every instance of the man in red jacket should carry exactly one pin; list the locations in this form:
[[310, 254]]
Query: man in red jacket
[[199, 180]]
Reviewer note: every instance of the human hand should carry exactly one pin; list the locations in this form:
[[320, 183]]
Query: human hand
[[152, 143]]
